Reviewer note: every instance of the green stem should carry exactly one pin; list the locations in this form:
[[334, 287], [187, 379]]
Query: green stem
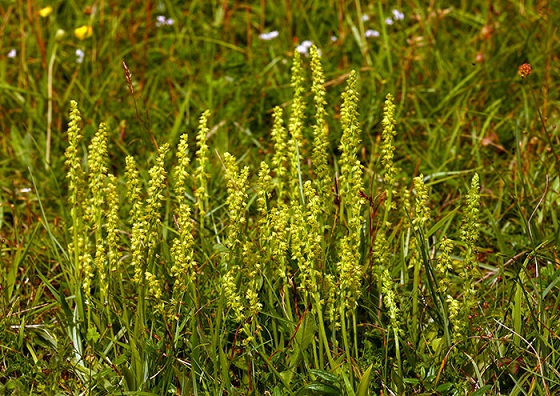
[[355, 329], [49, 106], [345, 339], [398, 353], [415, 292], [322, 332], [546, 133]]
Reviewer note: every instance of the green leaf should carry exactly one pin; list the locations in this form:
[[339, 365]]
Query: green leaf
[[444, 387], [92, 334], [320, 389], [325, 376], [303, 338], [364, 382], [129, 378]]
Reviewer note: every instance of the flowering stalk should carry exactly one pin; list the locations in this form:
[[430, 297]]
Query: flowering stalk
[[421, 216], [200, 173], [236, 203], [380, 251], [349, 266], [387, 154], [281, 155], [470, 233], [112, 224], [138, 233], [77, 188], [295, 128], [152, 215], [320, 129], [314, 267], [182, 253], [444, 264], [350, 182], [97, 172]]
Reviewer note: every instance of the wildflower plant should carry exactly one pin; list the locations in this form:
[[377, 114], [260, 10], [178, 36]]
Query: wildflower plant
[[138, 233], [77, 191], [265, 281], [182, 251], [201, 173], [295, 128], [320, 129], [470, 233], [113, 239], [350, 182], [281, 154], [349, 265], [236, 203], [154, 203], [381, 255], [387, 153], [420, 217]]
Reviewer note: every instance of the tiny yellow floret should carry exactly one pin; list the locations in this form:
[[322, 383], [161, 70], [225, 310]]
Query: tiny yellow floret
[[83, 32], [45, 11]]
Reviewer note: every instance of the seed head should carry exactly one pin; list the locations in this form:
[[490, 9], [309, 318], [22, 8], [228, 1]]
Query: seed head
[[524, 70]]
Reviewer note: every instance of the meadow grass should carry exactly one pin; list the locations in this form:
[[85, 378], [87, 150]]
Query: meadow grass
[[192, 207]]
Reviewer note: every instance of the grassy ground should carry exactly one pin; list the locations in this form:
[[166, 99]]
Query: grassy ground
[[364, 284]]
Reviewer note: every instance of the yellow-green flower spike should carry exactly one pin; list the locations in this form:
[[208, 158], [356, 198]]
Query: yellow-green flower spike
[[200, 173], [320, 128]]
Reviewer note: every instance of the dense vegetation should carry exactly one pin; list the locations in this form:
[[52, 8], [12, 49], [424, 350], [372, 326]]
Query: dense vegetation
[[319, 198]]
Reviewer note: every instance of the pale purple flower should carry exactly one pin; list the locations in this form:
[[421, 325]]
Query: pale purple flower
[[365, 17], [79, 56], [371, 33], [12, 53], [161, 20], [334, 39], [269, 35], [302, 49], [389, 21], [397, 15]]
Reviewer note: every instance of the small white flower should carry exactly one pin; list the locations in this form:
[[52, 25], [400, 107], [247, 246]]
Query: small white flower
[[79, 56], [397, 15], [307, 43], [365, 17], [24, 190], [334, 39], [389, 21], [269, 35], [60, 33], [12, 53], [371, 33]]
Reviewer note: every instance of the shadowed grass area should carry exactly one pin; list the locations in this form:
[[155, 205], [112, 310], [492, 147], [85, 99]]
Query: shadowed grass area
[[430, 266]]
